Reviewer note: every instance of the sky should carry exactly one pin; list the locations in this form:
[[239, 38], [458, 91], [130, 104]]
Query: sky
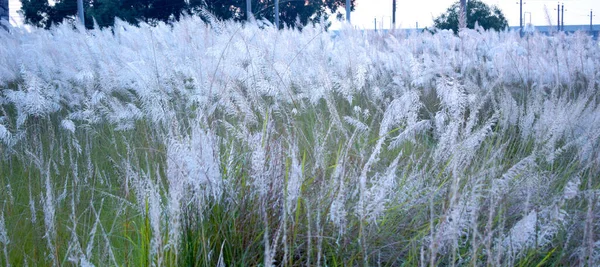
[[409, 13]]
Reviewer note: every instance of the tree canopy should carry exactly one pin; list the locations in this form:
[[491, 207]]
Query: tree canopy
[[41, 14], [488, 17]]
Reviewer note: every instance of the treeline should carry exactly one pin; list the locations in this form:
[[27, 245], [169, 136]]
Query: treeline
[[41, 13]]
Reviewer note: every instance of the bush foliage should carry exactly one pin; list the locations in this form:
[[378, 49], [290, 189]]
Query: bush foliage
[[478, 13]]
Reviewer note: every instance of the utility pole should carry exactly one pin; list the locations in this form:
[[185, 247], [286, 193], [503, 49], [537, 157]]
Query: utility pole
[[80, 12], [558, 17], [591, 25], [562, 18], [521, 15], [248, 9], [394, 14], [375, 23], [277, 14], [462, 19], [348, 9]]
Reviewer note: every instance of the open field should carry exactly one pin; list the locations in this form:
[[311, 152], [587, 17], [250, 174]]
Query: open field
[[240, 145]]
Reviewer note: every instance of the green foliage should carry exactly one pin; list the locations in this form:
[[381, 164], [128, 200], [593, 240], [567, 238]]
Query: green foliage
[[39, 13], [293, 13], [477, 12], [35, 12]]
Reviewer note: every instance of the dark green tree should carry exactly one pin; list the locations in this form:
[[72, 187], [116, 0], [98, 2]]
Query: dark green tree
[[105, 11], [291, 11], [477, 11], [39, 13], [36, 12], [223, 9], [65, 9]]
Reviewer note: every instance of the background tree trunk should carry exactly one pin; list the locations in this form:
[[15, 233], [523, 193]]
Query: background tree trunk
[[462, 18], [4, 10]]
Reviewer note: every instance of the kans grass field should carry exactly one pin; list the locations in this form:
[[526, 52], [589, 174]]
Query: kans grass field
[[224, 144]]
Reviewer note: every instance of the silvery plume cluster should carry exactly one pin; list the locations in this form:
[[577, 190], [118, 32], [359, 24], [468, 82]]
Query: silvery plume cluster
[[220, 143]]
